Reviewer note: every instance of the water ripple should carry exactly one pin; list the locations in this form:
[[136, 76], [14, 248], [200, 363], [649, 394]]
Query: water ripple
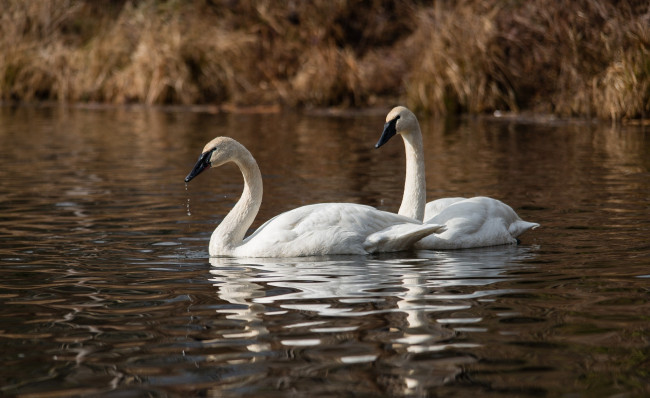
[[106, 288]]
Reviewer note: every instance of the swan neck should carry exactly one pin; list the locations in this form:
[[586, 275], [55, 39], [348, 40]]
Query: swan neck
[[230, 233], [414, 199]]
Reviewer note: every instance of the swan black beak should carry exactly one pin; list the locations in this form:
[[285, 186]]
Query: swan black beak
[[390, 129], [202, 164]]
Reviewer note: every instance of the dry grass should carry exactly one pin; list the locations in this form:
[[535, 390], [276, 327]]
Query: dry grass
[[458, 65], [574, 58], [584, 58]]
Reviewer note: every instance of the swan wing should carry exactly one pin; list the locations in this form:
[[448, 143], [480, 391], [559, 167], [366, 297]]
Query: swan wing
[[399, 237], [333, 228], [434, 207], [475, 222]]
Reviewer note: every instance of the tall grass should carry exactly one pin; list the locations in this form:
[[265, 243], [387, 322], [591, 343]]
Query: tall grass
[[584, 57], [578, 58]]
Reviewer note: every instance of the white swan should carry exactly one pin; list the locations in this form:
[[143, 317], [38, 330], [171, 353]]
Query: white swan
[[320, 229], [473, 222]]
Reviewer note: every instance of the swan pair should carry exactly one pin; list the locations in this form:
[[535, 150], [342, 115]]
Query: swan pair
[[345, 228]]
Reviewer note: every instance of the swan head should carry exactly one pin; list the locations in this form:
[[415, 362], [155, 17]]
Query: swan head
[[215, 153], [400, 120]]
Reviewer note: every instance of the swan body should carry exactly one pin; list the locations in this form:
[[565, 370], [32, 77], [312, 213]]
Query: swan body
[[473, 222], [313, 230]]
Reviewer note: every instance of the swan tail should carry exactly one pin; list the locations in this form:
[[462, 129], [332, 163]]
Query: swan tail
[[519, 227], [399, 237]]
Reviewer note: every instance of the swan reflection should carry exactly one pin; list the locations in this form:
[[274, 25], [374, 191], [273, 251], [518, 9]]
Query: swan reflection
[[390, 307]]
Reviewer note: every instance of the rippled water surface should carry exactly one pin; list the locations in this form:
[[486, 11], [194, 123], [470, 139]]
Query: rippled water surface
[[106, 287]]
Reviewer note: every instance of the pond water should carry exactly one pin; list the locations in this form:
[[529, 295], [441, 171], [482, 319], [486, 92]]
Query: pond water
[[107, 289]]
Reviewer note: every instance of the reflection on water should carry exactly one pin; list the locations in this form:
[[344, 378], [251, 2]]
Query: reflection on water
[[410, 299], [106, 288]]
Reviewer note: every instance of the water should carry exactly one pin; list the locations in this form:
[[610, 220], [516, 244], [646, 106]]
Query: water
[[106, 288]]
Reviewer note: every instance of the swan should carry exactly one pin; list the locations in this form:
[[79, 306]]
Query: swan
[[470, 222], [312, 230]]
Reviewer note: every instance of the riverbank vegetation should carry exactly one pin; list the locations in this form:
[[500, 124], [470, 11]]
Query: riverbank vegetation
[[579, 58]]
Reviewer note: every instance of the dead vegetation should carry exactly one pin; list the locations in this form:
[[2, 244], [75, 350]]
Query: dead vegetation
[[579, 58]]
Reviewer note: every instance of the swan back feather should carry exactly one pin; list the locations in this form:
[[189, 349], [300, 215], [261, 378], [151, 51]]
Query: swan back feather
[[475, 222]]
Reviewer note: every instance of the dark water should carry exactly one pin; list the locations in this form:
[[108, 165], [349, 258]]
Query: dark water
[[106, 288]]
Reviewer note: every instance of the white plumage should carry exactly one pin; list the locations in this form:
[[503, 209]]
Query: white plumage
[[473, 222], [313, 230]]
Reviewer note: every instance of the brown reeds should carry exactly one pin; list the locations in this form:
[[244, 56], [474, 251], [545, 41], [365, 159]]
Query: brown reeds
[[578, 58]]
